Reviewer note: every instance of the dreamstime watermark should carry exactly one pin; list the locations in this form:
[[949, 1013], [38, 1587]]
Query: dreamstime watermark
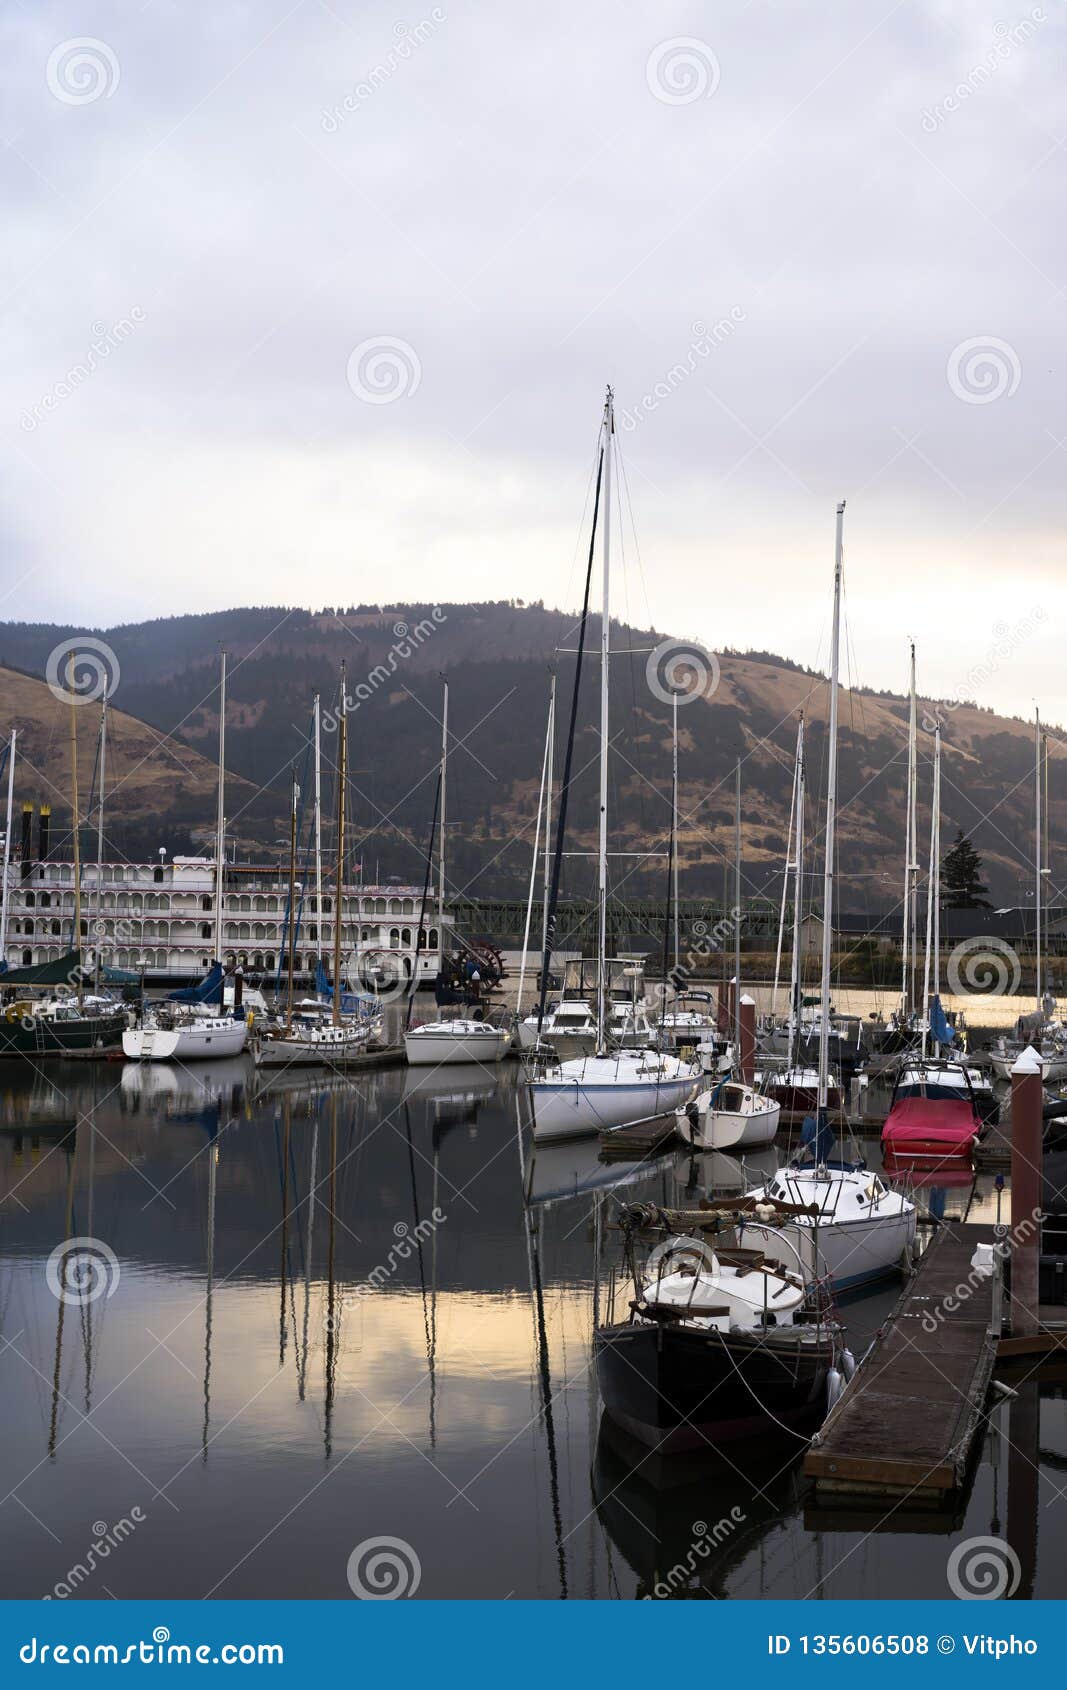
[[702, 345], [406, 641], [983, 1569], [408, 1240], [1007, 640], [82, 70], [706, 1539], [982, 1270], [681, 70], [1009, 36], [705, 942], [105, 1539], [383, 369], [383, 1569], [983, 369], [103, 343], [82, 1270], [682, 669], [983, 966], [382, 972], [407, 40], [81, 669]]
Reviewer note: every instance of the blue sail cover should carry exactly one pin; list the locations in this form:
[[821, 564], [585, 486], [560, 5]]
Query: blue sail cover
[[817, 1136], [940, 1031], [203, 992], [352, 1003]]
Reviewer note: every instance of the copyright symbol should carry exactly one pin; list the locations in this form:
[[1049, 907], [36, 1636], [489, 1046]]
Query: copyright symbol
[[946, 1645]]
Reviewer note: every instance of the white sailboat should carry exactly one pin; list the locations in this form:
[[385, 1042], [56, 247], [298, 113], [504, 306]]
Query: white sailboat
[[858, 1228], [608, 1088], [458, 1038], [182, 1033]]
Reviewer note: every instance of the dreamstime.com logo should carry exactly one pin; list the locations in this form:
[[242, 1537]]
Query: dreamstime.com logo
[[382, 369], [81, 1271], [983, 1569], [706, 1539], [682, 669], [81, 670], [82, 70], [983, 369], [983, 966], [383, 1569], [682, 70]]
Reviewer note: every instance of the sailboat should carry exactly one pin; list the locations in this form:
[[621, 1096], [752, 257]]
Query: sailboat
[[796, 1087], [849, 1227], [934, 1109], [458, 1038], [189, 1031], [313, 1033], [607, 1088]]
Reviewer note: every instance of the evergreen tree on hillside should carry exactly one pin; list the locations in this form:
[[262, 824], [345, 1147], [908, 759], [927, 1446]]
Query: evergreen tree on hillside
[[961, 877]]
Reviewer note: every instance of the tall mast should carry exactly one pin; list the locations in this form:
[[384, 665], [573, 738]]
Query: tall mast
[[605, 654], [220, 819], [441, 828], [798, 902], [937, 860], [100, 834], [550, 744], [737, 913], [1038, 870], [674, 820], [292, 900], [911, 853], [831, 818], [318, 827], [7, 843], [789, 847], [342, 746], [74, 811]]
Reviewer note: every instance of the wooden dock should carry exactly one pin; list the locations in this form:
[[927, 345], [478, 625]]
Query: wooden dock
[[906, 1423]]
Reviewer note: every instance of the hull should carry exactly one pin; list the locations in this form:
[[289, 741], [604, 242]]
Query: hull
[[59, 1038], [310, 1053], [848, 1253], [569, 1109], [431, 1050], [676, 1389], [724, 1129], [803, 1099], [183, 1044]]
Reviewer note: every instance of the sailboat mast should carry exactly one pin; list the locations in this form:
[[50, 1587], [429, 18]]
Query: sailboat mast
[[831, 818], [74, 811], [220, 820], [100, 834], [1038, 869], [292, 904], [342, 746], [798, 903], [7, 843], [441, 828], [605, 654], [737, 913], [674, 822], [550, 746], [937, 860], [911, 853], [318, 826]]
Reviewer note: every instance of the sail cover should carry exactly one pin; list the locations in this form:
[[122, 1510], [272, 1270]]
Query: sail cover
[[203, 992]]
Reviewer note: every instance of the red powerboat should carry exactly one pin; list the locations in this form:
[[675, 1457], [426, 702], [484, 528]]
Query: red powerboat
[[931, 1127]]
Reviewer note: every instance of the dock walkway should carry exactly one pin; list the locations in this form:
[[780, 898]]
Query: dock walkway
[[906, 1423]]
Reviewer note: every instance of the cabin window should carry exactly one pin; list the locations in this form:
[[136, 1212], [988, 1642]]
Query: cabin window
[[405, 937], [205, 930], [30, 900], [157, 876], [433, 938], [394, 937], [27, 959], [205, 902], [46, 899]]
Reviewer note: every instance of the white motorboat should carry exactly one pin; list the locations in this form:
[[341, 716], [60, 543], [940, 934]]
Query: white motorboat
[[591, 1094], [730, 1116], [860, 1229], [459, 1040], [691, 1021], [191, 1038]]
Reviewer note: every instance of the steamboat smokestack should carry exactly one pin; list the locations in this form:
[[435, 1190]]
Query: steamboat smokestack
[[42, 833], [27, 841]]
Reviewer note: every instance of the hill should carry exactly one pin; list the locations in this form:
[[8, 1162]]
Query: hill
[[497, 659]]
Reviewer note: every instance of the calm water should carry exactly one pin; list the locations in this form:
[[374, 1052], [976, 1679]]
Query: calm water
[[297, 1357]]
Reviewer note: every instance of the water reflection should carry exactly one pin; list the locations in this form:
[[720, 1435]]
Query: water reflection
[[298, 1355]]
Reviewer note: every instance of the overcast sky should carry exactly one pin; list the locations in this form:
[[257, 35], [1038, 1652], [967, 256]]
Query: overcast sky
[[818, 251]]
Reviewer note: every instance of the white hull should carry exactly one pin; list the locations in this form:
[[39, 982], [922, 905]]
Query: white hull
[[434, 1044], [184, 1044], [600, 1094], [329, 1049], [731, 1129], [846, 1252]]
